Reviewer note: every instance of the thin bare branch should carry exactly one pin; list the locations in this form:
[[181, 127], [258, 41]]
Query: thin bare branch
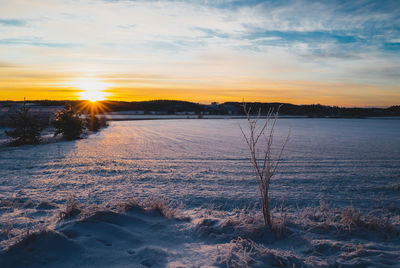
[[265, 168]]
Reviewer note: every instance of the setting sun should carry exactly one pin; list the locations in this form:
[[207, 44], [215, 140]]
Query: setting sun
[[92, 89]]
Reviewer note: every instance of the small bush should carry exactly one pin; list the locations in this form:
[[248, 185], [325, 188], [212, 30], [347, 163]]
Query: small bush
[[95, 123], [26, 128], [69, 123]]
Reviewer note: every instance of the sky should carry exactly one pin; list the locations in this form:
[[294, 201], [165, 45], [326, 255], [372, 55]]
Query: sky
[[335, 52]]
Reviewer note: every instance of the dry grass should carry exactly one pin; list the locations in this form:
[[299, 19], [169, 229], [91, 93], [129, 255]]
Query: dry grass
[[246, 223], [350, 218], [160, 206], [10, 202], [247, 253], [346, 219], [238, 253], [16, 236], [72, 208], [238, 223], [278, 226], [7, 230], [243, 223]]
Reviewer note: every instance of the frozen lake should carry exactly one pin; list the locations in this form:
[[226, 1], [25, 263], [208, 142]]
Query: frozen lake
[[203, 161]]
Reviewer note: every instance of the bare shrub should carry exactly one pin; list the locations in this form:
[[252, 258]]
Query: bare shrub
[[265, 165]]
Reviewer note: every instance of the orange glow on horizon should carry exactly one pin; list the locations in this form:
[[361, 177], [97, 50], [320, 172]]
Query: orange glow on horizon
[[200, 51], [221, 90]]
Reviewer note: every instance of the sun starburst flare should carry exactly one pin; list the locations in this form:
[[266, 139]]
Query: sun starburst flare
[[92, 89]]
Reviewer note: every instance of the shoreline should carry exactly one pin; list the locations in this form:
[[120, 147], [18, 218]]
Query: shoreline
[[131, 117]]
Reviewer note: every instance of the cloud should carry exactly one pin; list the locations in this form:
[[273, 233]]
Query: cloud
[[33, 41], [12, 22], [4, 64]]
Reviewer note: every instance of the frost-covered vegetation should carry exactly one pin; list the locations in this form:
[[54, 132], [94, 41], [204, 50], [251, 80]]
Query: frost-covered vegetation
[[264, 162], [26, 129], [181, 193], [68, 122]]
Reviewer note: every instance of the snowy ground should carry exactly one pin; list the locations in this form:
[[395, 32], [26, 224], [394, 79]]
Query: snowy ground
[[328, 165]]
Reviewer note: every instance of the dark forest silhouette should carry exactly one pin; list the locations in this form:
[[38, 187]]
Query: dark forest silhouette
[[232, 108]]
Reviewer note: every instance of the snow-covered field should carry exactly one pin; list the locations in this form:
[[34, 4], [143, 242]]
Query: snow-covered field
[[339, 182]]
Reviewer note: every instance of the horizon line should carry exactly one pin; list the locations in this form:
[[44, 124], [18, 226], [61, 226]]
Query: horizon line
[[108, 100]]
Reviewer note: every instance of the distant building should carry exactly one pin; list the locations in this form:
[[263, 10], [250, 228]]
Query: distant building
[[185, 113], [157, 112]]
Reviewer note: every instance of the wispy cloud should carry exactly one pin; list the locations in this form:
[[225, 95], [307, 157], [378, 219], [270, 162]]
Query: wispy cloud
[[33, 41], [12, 22]]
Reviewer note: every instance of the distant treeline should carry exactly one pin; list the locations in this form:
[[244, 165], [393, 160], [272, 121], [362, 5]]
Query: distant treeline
[[228, 108], [318, 110]]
